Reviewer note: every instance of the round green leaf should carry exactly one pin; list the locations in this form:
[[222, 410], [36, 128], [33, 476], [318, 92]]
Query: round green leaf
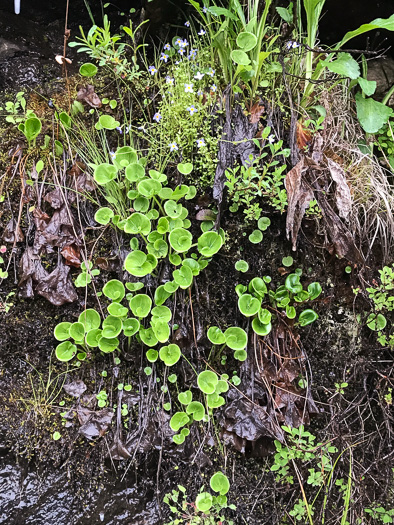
[[112, 326], [287, 261], [307, 317], [178, 420], [196, 409], [108, 345], [209, 243], [314, 290], [104, 173], [149, 187], [220, 483], [240, 57], [179, 438], [141, 305], [185, 397], [170, 354], [103, 215], [180, 239], [246, 41], [108, 122], [215, 400], [93, 337], [88, 70], [183, 277], [185, 168], [161, 330], [90, 319], [248, 305], [114, 290], [242, 266], [261, 328], [290, 312], [152, 355], [62, 331], [137, 263], [130, 326], [263, 223], [173, 209], [204, 502], [117, 310], [65, 351], [257, 287], [134, 172], [161, 313], [137, 223], [293, 284], [240, 355], [216, 336], [236, 338], [256, 236], [207, 381], [264, 316], [77, 332], [125, 155], [148, 336]]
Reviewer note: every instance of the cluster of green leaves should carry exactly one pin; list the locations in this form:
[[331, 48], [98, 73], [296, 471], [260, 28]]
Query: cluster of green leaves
[[234, 337], [382, 296], [238, 37], [381, 514], [177, 123], [299, 452], [211, 386], [13, 109], [255, 300], [263, 176], [86, 275], [159, 221], [90, 332], [109, 50], [207, 507], [384, 140]]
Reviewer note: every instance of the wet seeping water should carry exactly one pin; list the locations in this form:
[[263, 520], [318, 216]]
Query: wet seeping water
[[28, 497]]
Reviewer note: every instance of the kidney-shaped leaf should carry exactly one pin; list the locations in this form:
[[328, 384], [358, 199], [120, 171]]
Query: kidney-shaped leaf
[[236, 338], [307, 317], [170, 354], [207, 381]]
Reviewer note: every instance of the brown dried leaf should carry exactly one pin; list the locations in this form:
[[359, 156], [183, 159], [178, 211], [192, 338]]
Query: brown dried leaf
[[343, 198], [97, 423], [57, 287], [11, 231], [77, 168], [30, 271], [299, 196], [72, 256], [75, 388], [55, 198], [255, 112], [303, 136], [58, 231], [206, 215], [88, 95]]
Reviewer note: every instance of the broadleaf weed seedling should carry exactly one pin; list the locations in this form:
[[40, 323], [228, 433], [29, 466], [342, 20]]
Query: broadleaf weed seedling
[[262, 177]]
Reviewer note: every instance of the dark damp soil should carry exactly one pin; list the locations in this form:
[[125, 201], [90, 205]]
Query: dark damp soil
[[118, 473]]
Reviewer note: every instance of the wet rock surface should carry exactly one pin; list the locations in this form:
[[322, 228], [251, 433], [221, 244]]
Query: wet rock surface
[[29, 497]]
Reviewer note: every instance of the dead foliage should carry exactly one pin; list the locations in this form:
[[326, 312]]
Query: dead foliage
[[271, 397], [318, 177], [88, 95]]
